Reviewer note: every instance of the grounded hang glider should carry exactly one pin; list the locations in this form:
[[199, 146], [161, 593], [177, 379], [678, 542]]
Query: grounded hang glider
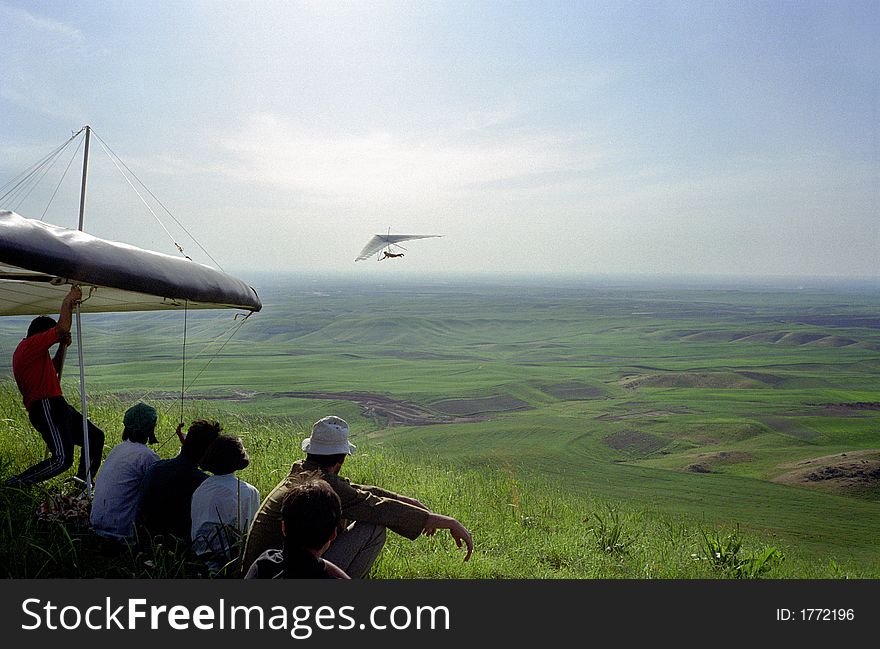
[[39, 262], [382, 244]]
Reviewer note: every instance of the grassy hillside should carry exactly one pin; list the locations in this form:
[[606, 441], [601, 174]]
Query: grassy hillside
[[523, 527], [749, 408]]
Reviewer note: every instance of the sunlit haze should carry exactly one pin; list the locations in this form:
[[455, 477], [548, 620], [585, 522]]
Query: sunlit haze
[[654, 138]]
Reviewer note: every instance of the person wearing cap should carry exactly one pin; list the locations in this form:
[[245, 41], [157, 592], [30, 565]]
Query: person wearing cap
[[224, 505], [38, 376], [118, 488], [370, 510]]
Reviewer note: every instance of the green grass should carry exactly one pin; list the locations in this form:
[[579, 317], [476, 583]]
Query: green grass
[[523, 527], [665, 376]]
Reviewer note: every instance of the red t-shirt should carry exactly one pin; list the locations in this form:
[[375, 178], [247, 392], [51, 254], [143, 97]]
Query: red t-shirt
[[33, 369]]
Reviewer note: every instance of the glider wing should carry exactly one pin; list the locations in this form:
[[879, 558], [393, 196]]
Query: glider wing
[[380, 241], [39, 262]]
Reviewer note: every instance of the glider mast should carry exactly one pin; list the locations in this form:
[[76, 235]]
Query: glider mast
[[82, 193], [82, 371]]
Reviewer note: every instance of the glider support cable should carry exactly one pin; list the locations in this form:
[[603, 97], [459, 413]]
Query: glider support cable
[[58, 186], [234, 329], [16, 182], [30, 183], [186, 387], [120, 164], [143, 200], [20, 187]]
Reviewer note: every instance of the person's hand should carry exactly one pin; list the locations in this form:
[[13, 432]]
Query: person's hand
[[179, 432], [461, 535], [458, 531], [75, 295]]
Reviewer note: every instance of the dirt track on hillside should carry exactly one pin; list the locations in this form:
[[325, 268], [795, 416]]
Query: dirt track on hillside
[[383, 410], [394, 412]]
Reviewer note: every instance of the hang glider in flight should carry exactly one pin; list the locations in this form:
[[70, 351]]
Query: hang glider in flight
[[385, 245]]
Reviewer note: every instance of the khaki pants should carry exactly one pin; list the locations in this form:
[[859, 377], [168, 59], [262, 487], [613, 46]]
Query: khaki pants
[[356, 548]]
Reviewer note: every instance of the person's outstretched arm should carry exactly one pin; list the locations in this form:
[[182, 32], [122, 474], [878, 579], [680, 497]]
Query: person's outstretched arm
[[410, 501], [65, 318], [457, 530], [180, 434]]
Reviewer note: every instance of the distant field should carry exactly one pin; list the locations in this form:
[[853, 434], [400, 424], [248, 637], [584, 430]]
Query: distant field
[[738, 406]]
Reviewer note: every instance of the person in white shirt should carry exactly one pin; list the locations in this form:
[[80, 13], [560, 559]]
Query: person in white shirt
[[223, 506], [118, 486]]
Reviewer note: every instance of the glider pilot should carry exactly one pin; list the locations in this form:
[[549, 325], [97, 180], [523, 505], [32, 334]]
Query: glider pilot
[[38, 378], [390, 255]]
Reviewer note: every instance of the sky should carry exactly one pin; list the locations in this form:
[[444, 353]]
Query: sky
[[654, 138]]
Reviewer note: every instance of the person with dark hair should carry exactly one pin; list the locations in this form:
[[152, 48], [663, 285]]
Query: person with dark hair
[[367, 510], [168, 485], [38, 376], [224, 505], [310, 516], [118, 489]]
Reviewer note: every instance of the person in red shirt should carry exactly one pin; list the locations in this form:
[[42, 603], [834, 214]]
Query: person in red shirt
[[38, 377]]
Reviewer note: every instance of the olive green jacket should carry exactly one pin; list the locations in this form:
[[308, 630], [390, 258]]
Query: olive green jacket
[[360, 503]]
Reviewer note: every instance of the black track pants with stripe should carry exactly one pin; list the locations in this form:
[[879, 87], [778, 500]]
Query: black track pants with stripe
[[60, 424]]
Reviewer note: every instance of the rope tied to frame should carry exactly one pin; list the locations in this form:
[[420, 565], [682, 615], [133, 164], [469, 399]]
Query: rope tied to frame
[[239, 321]]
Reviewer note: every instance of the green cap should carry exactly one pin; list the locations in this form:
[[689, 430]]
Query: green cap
[[140, 418]]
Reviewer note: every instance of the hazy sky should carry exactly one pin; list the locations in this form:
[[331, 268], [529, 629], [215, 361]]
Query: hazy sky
[[703, 137]]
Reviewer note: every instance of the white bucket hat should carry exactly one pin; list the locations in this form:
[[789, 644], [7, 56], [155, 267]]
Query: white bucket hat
[[329, 437]]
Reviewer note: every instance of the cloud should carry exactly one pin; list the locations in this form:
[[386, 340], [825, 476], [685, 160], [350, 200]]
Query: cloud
[[46, 27], [382, 165], [39, 59]]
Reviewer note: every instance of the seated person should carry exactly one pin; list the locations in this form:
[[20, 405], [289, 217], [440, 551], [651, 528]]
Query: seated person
[[367, 510], [118, 487], [223, 506], [310, 519], [168, 486]]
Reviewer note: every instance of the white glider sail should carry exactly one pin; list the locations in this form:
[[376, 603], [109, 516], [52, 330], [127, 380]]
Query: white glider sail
[[39, 262], [380, 241]]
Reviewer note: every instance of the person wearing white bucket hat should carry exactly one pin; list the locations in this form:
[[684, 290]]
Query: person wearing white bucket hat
[[329, 437], [367, 510]]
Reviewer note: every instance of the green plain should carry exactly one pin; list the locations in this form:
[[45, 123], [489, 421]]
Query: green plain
[[677, 406]]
